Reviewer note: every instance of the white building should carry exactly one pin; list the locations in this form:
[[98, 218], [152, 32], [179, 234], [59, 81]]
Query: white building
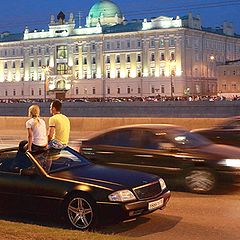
[[110, 56]]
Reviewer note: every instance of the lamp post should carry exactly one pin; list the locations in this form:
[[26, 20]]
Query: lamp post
[[171, 78]]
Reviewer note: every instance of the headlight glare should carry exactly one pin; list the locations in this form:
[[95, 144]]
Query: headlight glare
[[231, 163], [122, 196], [162, 183]]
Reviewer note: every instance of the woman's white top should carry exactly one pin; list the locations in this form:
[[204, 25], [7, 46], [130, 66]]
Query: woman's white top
[[39, 131]]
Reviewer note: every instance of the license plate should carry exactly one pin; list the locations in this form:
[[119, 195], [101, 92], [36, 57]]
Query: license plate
[[155, 204]]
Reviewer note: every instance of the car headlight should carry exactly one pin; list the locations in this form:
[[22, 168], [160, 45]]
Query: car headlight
[[162, 183], [231, 163], [122, 196]]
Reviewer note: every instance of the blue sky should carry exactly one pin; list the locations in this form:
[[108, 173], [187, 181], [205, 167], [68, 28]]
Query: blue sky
[[16, 14]]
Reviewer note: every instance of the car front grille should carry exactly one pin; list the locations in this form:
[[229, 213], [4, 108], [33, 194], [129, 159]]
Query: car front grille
[[148, 191]]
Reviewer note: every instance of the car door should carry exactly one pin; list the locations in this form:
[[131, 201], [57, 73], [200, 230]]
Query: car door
[[116, 148], [19, 191], [158, 155]]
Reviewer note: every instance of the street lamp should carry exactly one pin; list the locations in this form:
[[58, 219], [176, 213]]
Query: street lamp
[[46, 70], [172, 73]]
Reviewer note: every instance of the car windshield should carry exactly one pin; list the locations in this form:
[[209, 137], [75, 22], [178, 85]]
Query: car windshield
[[186, 139], [54, 160]]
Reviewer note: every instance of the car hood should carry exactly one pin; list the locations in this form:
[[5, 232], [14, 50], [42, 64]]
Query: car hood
[[108, 177], [216, 152]]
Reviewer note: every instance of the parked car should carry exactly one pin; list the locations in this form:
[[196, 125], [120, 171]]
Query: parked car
[[64, 182], [181, 157], [228, 132]]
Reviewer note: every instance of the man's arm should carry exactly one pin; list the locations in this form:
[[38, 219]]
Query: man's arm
[[51, 131]]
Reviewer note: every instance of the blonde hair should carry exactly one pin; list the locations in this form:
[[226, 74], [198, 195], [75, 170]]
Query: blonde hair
[[34, 112]]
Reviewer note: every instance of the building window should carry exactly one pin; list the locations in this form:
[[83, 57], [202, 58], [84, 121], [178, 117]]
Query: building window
[[76, 48], [5, 65], [152, 57], [32, 77], [21, 66], [32, 92], [234, 87], [161, 44], [93, 90], [128, 73], [152, 72], [39, 50], [139, 43], [118, 73], [40, 77], [108, 74], [39, 63], [118, 90], [47, 62], [139, 90], [107, 45], [31, 50], [76, 90], [224, 87], [162, 89], [47, 50], [118, 45], [6, 93], [234, 72], [84, 60], [14, 92], [76, 61], [32, 63], [117, 59], [85, 75], [61, 52], [128, 90], [128, 58], [40, 92], [139, 73], [13, 65], [108, 90], [172, 57], [93, 46], [162, 57], [163, 72], [107, 59], [93, 60], [172, 42], [153, 90], [128, 44], [224, 73], [152, 43], [62, 68], [139, 58], [13, 52], [94, 75]]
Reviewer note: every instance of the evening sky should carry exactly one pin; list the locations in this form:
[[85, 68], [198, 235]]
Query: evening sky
[[16, 14]]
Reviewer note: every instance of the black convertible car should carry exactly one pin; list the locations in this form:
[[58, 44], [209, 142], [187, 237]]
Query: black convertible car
[[62, 181], [181, 157]]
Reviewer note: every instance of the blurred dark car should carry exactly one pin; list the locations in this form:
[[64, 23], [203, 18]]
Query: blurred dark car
[[227, 132], [181, 157], [62, 181]]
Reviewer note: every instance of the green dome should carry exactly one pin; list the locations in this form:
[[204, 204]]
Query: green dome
[[104, 8]]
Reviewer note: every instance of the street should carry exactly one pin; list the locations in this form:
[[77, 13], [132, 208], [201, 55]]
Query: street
[[189, 216]]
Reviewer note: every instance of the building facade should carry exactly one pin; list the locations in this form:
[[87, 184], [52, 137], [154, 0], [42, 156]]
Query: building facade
[[113, 57], [228, 79]]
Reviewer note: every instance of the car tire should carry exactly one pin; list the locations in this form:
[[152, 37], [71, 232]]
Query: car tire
[[200, 181], [80, 212]]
